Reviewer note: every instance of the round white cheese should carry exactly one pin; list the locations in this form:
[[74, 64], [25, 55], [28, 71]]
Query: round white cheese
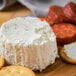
[[28, 41]]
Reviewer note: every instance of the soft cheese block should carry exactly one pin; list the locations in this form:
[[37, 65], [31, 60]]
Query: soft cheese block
[[27, 41]]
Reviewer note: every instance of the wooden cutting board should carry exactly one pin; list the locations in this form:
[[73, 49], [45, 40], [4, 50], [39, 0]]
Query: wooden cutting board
[[60, 68]]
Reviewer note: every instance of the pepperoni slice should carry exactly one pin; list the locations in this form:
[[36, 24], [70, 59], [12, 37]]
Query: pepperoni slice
[[45, 19], [65, 33], [56, 14], [70, 11]]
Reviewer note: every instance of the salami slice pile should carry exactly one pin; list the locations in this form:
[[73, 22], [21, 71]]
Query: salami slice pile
[[65, 32], [63, 22], [56, 15], [70, 11]]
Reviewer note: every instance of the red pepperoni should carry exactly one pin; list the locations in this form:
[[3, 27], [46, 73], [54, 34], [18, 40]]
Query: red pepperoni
[[46, 19], [70, 11], [56, 14], [65, 33]]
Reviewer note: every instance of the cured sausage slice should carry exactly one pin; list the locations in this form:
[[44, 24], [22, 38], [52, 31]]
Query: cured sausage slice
[[70, 11], [45, 19], [56, 14], [65, 32]]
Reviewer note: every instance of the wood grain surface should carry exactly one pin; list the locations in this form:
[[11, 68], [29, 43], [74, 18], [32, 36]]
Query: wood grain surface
[[60, 68], [13, 11]]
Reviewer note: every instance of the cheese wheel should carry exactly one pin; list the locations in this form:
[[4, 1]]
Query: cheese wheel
[[28, 41]]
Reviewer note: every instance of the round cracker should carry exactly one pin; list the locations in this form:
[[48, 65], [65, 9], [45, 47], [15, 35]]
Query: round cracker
[[2, 62], [64, 56], [16, 71]]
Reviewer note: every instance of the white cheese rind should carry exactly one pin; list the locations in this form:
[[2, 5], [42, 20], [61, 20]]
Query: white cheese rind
[[27, 30], [29, 42]]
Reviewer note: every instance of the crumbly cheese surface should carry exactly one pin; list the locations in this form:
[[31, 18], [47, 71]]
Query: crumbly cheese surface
[[27, 41], [27, 30], [70, 50]]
